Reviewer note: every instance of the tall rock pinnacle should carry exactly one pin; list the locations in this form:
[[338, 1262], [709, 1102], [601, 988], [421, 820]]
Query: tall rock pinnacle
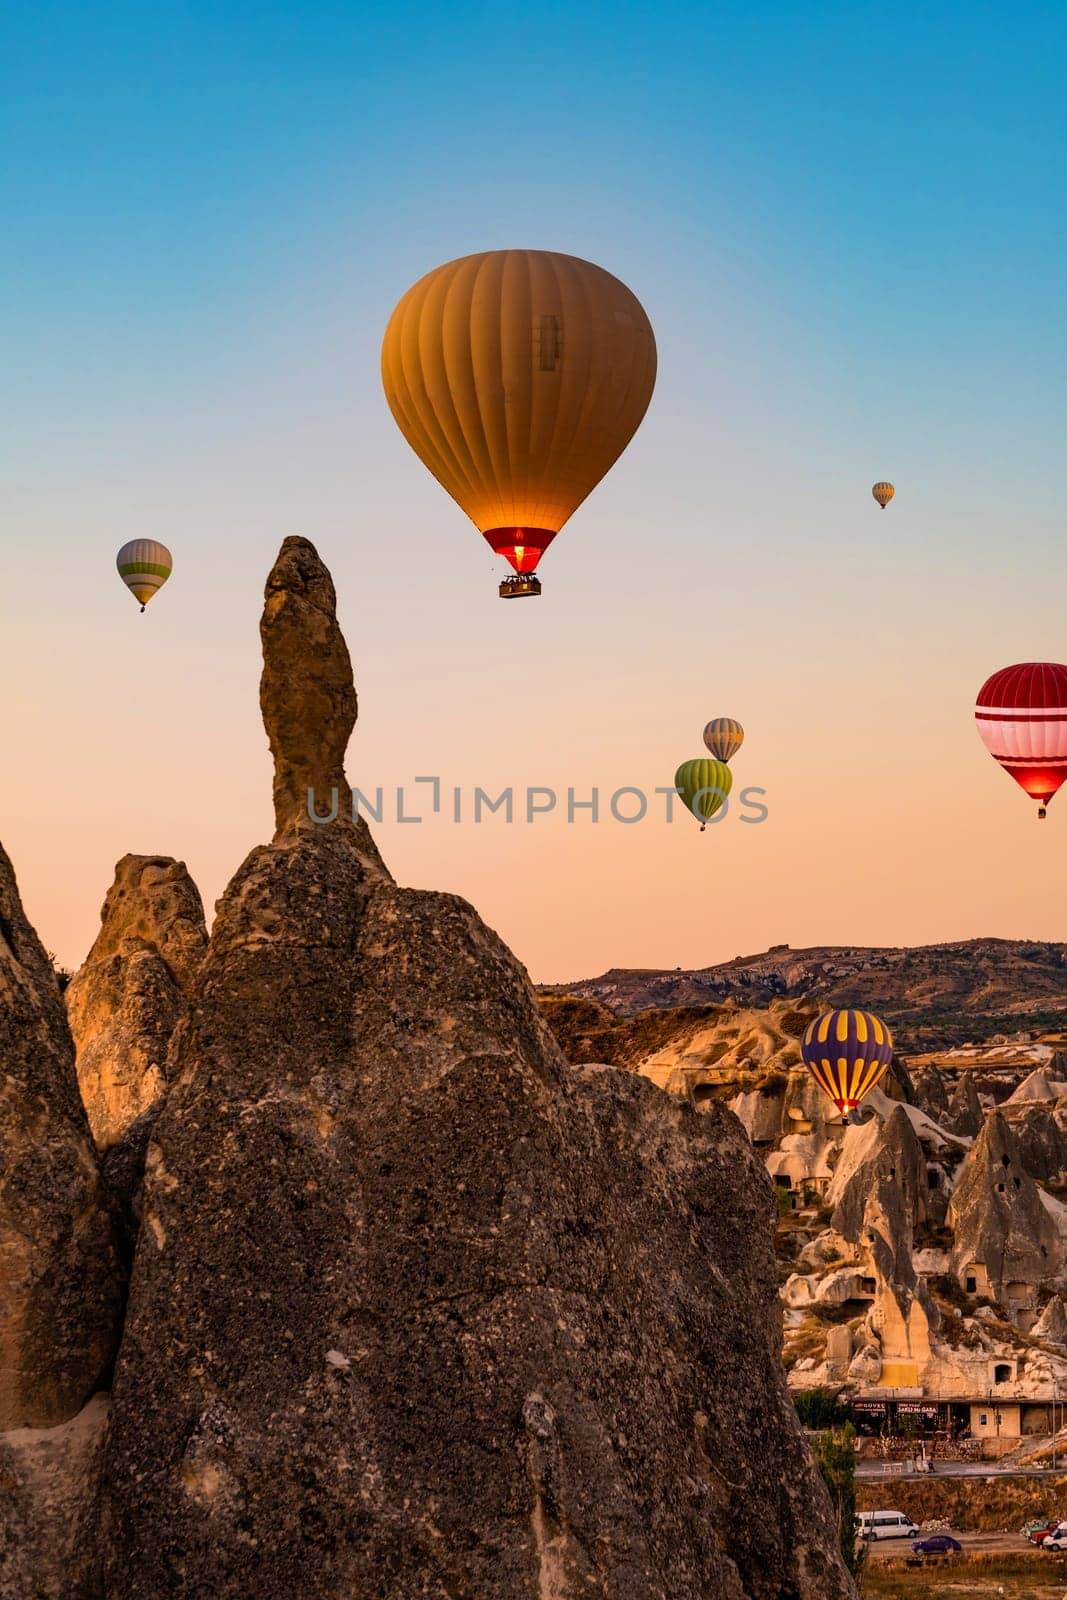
[[417, 1309], [306, 693]]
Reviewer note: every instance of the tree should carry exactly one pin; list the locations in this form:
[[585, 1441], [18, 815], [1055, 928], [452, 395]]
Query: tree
[[820, 1408], [63, 974], [835, 1457]]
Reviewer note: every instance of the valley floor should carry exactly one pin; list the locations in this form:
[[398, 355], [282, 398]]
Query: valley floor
[[1018, 1577]]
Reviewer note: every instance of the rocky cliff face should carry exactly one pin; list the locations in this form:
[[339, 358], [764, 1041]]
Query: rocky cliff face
[[417, 1309], [127, 999], [59, 1278]]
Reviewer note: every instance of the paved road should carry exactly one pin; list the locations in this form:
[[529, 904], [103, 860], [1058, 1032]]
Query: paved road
[[889, 1472], [974, 1543]]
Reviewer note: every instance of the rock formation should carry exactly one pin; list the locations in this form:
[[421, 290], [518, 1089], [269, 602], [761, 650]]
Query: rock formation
[[132, 991], [888, 1153], [59, 1274], [1042, 1143], [965, 1110], [1034, 1087], [1051, 1325], [929, 1090], [1006, 1243], [418, 1310], [878, 1202], [49, 1546]]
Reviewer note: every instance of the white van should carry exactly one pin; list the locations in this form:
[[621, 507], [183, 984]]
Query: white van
[[885, 1525]]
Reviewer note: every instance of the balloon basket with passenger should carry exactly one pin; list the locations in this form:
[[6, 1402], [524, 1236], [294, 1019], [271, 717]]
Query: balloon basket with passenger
[[523, 583]]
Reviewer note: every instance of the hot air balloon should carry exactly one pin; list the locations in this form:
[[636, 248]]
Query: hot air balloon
[[703, 785], [724, 737], [847, 1052], [1021, 714], [883, 493], [144, 567], [518, 377]]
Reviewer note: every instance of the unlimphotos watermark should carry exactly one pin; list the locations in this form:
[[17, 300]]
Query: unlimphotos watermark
[[627, 805]]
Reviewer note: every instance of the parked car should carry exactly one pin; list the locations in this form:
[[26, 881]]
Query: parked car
[[1039, 1535], [1055, 1541], [1033, 1526], [885, 1525], [938, 1544]]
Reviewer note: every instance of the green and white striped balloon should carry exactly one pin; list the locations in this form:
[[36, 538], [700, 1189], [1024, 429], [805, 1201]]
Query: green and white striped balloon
[[144, 567]]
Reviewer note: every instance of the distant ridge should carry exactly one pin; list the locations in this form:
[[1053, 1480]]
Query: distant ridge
[[934, 994]]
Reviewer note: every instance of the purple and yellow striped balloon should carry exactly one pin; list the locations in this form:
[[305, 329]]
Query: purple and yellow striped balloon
[[847, 1052]]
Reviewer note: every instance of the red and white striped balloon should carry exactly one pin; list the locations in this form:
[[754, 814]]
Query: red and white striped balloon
[[1021, 713]]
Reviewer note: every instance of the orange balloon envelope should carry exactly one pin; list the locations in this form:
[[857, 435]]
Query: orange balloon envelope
[[518, 377]]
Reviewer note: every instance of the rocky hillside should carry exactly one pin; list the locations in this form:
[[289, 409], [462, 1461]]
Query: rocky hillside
[[933, 995], [711, 1051], [416, 1307], [923, 1247]]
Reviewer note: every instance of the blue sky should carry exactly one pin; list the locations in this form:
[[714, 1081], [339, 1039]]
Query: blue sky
[[847, 225]]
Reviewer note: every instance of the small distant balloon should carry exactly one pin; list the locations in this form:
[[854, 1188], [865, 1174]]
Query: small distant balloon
[[847, 1053], [144, 567], [704, 786], [883, 493], [1021, 714], [724, 737]]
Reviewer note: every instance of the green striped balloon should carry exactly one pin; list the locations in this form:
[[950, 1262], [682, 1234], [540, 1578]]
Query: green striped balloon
[[144, 567], [703, 785]]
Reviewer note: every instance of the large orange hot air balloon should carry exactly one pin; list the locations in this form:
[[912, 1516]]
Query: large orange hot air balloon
[[518, 377]]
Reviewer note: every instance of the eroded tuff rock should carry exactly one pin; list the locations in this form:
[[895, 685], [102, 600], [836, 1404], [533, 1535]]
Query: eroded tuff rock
[[1042, 1143], [418, 1310], [51, 1478], [59, 1278], [965, 1114], [132, 990], [1036, 1087], [878, 1208], [1006, 1243], [929, 1089], [1051, 1325]]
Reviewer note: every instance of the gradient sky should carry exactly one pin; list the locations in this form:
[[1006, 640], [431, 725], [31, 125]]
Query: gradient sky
[[847, 225]]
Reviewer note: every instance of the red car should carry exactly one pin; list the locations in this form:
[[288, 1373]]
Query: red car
[[1039, 1535]]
